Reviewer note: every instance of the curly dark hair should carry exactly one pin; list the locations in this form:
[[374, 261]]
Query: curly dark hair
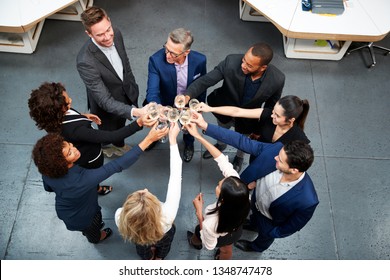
[[48, 157], [47, 105]]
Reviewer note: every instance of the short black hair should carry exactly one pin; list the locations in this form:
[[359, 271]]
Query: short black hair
[[299, 155]]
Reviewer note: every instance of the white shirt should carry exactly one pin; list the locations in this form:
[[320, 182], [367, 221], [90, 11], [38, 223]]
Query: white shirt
[[171, 205], [269, 188], [208, 233], [112, 55]]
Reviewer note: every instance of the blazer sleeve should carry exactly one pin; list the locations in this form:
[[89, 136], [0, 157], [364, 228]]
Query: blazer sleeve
[[262, 165], [97, 175], [236, 140], [89, 134], [295, 223], [201, 84]]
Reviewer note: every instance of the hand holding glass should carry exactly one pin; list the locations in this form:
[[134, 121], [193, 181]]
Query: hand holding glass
[[194, 104], [153, 111]]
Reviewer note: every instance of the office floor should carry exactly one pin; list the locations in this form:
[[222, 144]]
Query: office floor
[[348, 125]]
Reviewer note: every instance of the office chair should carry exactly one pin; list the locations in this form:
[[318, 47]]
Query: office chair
[[370, 47]]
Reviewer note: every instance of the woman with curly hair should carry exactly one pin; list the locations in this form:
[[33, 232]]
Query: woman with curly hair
[[148, 222], [76, 200], [221, 225], [50, 108]]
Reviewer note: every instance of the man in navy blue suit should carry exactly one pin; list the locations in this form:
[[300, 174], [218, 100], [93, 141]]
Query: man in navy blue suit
[[284, 198], [171, 70]]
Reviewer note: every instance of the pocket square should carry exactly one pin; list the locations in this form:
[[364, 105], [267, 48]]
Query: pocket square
[[197, 76]]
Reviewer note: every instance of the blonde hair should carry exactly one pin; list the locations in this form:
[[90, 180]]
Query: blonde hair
[[140, 219]]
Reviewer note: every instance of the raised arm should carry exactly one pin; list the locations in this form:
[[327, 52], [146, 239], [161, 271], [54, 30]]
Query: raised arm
[[232, 111], [223, 161], [172, 201]]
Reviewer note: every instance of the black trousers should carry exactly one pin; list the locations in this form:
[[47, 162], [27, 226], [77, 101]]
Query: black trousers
[[93, 231], [162, 247]]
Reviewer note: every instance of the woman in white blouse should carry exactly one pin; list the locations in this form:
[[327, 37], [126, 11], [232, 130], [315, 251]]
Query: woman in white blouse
[[221, 225], [148, 222]]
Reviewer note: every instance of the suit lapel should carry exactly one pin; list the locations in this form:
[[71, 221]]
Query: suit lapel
[[191, 69], [101, 57], [293, 192]]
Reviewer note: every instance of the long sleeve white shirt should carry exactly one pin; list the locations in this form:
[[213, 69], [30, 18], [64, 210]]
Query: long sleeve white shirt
[[170, 207], [208, 233]]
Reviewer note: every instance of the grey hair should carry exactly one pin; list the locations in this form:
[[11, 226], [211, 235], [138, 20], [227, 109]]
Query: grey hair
[[182, 36]]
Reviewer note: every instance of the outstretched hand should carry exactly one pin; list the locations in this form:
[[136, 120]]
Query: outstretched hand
[[174, 130], [156, 134], [145, 120], [203, 107], [93, 118], [193, 130], [198, 119]]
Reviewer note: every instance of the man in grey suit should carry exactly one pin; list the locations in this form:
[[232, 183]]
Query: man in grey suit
[[249, 81], [105, 69]]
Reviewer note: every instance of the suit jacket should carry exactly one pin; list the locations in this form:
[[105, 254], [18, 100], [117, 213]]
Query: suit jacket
[[291, 211], [108, 96], [76, 196], [162, 78], [232, 89]]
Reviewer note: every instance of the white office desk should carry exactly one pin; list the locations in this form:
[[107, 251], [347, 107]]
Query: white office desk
[[362, 21], [21, 21]]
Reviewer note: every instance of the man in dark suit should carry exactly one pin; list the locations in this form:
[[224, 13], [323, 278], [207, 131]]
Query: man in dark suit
[[284, 199], [171, 70], [105, 69], [249, 81]]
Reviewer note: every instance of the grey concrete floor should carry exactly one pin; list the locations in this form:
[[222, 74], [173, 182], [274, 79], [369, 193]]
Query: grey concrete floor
[[348, 125]]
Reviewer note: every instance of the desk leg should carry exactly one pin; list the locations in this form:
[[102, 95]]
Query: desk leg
[[300, 48], [21, 42], [73, 12], [247, 13]]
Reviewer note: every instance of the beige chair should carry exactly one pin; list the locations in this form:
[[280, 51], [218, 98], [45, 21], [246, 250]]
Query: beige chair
[[371, 48]]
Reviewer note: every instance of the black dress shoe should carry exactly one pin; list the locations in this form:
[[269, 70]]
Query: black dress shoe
[[221, 147], [237, 163], [244, 245], [248, 226], [188, 153]]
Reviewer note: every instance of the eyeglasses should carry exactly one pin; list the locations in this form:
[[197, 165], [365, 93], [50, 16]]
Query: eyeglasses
[[175, 55]]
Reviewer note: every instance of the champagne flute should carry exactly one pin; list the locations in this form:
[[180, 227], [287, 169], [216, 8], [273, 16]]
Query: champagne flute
[[194, 104], [180, 101], [152, 111], [162, 120], [173, 115], [185, 117]]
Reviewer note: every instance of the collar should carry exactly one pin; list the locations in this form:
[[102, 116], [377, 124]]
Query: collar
[[103, 49], [185, 63]]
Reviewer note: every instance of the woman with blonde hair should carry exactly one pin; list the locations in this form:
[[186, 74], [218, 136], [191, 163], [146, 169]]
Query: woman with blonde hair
[[145, 220]]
